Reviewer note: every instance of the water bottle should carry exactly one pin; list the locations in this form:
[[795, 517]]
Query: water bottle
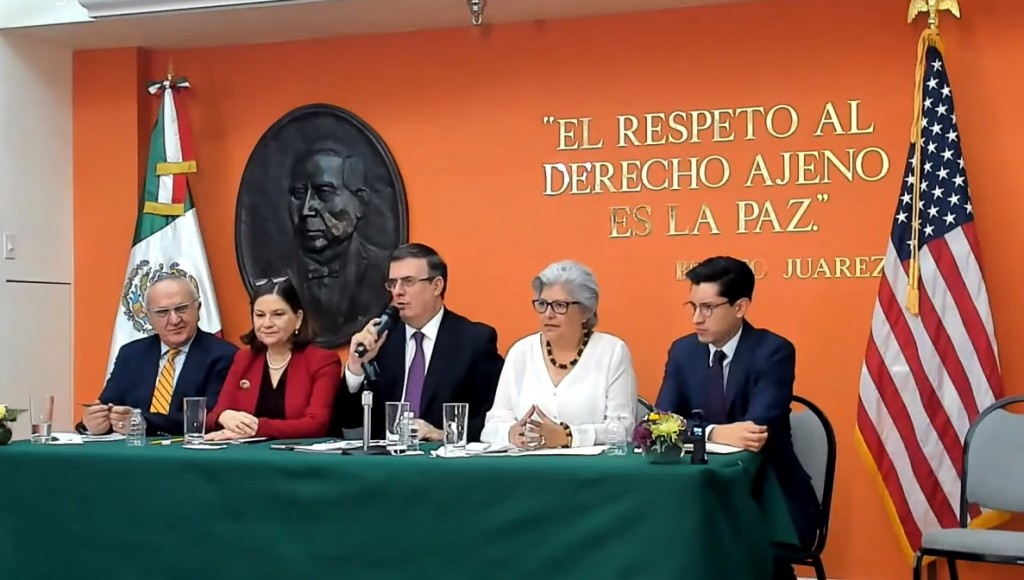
[[398, 445], [136, 436], [617, 444], [412, 432]]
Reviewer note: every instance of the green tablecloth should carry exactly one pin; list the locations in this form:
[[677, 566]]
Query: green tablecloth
[[104, 510]]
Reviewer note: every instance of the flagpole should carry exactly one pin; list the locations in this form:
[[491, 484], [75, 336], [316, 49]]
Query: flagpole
[[929, 37]]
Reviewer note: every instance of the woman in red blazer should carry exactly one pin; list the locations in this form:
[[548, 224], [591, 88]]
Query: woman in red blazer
[[281, 387]]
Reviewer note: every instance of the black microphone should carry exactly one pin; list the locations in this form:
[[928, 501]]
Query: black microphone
[[386, 321], [698, 437]]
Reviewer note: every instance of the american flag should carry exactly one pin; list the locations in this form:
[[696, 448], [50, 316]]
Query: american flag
[[931, 364]]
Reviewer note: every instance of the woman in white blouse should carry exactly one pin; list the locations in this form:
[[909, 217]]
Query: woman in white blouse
[[566, 381]]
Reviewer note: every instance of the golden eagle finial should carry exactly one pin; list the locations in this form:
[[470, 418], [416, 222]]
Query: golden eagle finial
[[932, 7]]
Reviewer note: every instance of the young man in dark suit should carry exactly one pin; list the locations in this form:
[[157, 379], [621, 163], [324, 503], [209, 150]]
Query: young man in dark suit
[[742, 378], [432, 357], [157, 372]]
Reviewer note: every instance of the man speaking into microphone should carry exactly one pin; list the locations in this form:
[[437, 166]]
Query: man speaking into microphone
[[429, 357]]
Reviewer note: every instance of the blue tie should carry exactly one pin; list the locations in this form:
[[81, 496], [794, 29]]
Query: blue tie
[[417, 372], [717, 410]]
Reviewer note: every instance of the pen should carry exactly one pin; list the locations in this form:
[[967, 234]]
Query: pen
[[168, 441]]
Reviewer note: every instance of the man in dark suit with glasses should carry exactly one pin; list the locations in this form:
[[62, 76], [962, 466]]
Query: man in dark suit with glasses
[[434, 356], [742, 378]]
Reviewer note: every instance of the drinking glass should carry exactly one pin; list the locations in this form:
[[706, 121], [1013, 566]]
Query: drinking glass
[[195, 420], [456, 418], [41, 417], [394, 413]]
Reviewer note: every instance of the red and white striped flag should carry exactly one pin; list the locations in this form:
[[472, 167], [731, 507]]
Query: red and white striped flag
[[931, 364]]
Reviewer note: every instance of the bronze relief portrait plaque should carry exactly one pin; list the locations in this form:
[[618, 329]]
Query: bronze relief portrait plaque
[[321, 201]]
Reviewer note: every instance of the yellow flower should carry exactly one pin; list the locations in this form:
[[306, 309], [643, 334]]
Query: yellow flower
[[667, 427], [3, 412], [653, 417]]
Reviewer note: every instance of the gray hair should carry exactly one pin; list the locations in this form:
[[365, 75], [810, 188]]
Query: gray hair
[[163, 278], [578, 280]]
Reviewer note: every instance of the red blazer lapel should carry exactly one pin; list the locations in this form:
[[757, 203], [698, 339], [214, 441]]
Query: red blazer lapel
[[298, 391]]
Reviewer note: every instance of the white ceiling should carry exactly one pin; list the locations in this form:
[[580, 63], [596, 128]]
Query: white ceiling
[[318, 19]]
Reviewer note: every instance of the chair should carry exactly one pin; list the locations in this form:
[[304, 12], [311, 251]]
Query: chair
[[814, 442], [642, 408], [993, 478]]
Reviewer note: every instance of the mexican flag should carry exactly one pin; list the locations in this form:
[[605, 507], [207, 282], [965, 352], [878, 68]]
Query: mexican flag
[[167, 237]]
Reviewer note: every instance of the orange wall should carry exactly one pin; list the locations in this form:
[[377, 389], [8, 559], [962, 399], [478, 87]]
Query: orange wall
[[462, 113]]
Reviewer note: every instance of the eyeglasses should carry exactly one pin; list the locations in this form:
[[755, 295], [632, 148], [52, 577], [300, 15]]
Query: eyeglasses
[[180, 310], [405, 282], [263, 281], [559, 306], [706, 309]]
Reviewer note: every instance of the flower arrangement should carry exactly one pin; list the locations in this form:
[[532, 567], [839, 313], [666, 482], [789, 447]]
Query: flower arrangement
[[659, 433], [7, 415]]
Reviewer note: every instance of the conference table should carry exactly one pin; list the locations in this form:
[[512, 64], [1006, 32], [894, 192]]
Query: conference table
[[107, 510]]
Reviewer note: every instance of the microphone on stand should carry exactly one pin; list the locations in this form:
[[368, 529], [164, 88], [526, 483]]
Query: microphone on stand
[[370, 373], [367, 408], [366, 448], [698, 437]]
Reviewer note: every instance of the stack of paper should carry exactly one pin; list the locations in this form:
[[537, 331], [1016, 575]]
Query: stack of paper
[[110, 437], [247, 440], [715, 448], [334, 446], [76, 439], [65, 439], [478, 449]]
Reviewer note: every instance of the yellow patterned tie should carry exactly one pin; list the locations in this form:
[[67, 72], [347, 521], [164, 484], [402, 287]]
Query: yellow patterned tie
[[164, 385]]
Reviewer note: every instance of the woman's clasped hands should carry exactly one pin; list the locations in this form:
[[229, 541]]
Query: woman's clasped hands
[[535, 430]]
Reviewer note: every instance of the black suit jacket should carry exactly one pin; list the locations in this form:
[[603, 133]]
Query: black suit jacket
[[759, 388], [133, 378], [464, 368]]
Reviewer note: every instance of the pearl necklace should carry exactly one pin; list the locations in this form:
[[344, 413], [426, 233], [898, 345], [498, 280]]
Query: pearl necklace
[[280, 366]]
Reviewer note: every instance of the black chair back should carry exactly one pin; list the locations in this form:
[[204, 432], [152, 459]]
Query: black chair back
[[814, 441]]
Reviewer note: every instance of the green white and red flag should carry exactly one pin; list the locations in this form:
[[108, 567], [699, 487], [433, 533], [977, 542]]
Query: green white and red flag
[[167, 236]]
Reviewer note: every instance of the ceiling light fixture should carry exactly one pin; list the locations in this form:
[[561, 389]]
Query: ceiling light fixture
[[476, 11], [110, 8]]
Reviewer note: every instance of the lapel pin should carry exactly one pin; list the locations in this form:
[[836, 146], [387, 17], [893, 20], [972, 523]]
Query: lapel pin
[[244, 384]]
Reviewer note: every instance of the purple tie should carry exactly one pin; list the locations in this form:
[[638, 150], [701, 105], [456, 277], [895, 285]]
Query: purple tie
[[417, 372]]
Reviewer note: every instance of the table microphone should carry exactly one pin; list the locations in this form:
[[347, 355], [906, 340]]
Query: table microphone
[[698, 437], [367, 449], [367, 408]]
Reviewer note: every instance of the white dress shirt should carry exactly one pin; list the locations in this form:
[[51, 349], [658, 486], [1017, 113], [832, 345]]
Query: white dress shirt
[[429, 330], [600, 386], [179, 361]]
